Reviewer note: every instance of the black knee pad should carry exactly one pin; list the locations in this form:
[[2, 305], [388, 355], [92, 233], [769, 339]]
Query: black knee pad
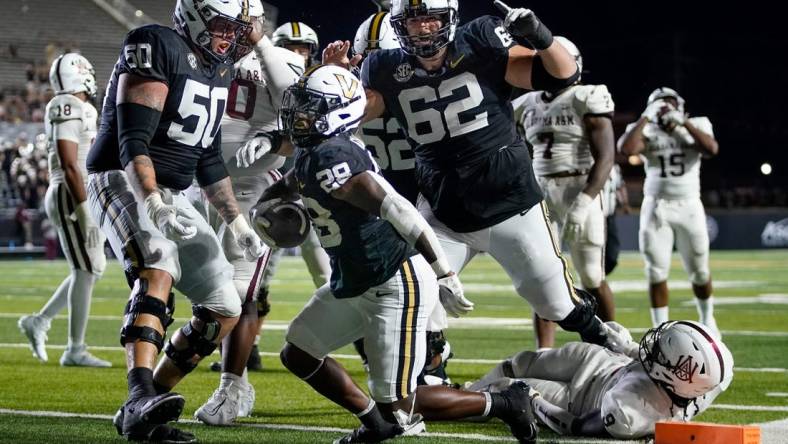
[[263, 307], [583, 319], [199, 342], [142, 303]]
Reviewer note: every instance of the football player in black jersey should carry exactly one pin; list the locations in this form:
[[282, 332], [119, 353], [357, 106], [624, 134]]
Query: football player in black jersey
[[159, 131], [391, 149], [388, 273], [449, 86]]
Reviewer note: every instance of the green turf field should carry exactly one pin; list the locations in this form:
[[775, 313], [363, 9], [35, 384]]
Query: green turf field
[[74, 405]]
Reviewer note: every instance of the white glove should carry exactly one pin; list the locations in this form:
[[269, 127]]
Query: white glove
[[246, 238], [673, 118], [252, 150], [260, 223], [619, 340], [91, 231], [652, 110], [169, 219], [452, 297], [576, 217]]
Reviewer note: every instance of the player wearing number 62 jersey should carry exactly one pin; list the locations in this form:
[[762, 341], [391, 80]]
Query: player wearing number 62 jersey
[[571, 132], [160, 131], [449, 87], [672, 146]]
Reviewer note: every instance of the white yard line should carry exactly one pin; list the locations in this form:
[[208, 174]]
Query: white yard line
[[303, 428]]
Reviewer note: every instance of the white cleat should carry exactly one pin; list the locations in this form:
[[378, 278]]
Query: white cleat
[[35, 327], [222, 407], [81, 357], [246, 401]]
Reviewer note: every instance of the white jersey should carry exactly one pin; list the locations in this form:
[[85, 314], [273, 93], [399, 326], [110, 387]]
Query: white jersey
[[253, 103], [69, 118], [633, 403], [672, 167], [555, 127]]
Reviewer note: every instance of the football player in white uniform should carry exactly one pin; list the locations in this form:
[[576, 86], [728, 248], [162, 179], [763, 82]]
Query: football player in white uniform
[[672, 145], [571, 132], [584, 389], [250, 140], [299, 38], [70, 127]]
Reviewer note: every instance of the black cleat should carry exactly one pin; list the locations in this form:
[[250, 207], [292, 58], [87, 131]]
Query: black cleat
[[367, 435], [520, 418], [137, 417], [216, 366], [160, 433], [254, 363]]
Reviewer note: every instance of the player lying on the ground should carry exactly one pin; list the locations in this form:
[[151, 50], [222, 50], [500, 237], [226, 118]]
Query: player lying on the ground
[[587, 390]]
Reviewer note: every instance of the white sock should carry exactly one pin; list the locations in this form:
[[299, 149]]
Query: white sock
[[705, 309], [79, 295], [659, 315], [228, 378], [58, 300]]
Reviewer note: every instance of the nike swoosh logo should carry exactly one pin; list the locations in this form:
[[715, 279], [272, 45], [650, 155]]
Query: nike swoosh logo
[[380, 294], [216, 410], [453, 64], [222, 72]]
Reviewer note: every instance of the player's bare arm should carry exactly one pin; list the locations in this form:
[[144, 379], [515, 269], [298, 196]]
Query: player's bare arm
[[631, 142], [67, 153], [705, 143], [602, 144], [366, 192], [151, 95], [221, 196]]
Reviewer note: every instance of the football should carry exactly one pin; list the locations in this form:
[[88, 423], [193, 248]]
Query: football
[[289, 223]]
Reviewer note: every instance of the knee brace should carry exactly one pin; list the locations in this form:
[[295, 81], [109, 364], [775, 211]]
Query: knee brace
[[583, 320], [142, 303], [263, 307], [199, 342]]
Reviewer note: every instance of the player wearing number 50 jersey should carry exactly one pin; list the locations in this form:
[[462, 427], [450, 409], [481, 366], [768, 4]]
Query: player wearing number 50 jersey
[[159, 131], [571, 132], [449, 87], [672, 145]]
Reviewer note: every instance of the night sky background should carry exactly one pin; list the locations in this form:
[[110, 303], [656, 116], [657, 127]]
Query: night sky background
[[729, 63]]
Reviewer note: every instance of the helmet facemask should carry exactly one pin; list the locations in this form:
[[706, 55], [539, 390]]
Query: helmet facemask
[[212, 23], [304, 114], [425, 45]]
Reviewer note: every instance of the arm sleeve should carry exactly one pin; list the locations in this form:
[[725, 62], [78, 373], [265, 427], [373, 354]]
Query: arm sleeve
[[367, 71], [210, 167], [487, 34], [145, 53], [594, 100]]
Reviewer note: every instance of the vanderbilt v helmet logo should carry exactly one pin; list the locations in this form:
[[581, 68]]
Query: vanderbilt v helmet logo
[[348, 89]]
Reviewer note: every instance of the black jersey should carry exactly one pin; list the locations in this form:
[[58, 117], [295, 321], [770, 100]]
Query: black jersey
[[391, 149], [186, 141], [365, 250], [471, 165]]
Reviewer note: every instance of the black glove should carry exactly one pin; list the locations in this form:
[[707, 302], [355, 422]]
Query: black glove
[[525, 27]]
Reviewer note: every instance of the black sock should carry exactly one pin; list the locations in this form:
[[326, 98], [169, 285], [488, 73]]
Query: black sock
[[160, 388], [373, 419], [140, 381], [500, 405]]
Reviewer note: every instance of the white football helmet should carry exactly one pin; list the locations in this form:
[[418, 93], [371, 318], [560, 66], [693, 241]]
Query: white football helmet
[[666, 93], [424, 45], [72, 73], [375, 33], [571, 48], [200, 20], [296, 33], [685, 359], [326, 100]]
